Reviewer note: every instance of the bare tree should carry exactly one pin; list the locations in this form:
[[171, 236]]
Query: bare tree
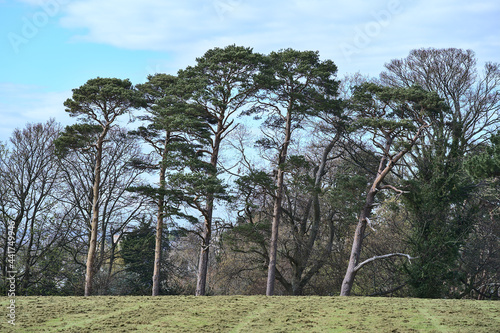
[[473, 97], [29, 178]]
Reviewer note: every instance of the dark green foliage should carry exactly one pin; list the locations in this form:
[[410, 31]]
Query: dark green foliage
[[170, 113], [441, 218], [391, 108], [195, 187], [113, 96], [347, 192], [298, 81], [77, 137], [223, 79], [487, 163], [138, 251]]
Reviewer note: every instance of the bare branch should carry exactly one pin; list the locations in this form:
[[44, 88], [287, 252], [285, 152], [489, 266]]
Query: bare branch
[[370, 224], [367, 261], [390, 187]]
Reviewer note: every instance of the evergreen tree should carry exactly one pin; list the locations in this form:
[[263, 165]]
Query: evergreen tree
[[137, 249], [440, 198], [98, 103], [223, 84], [295, 86], [394, 119], [176, 130]]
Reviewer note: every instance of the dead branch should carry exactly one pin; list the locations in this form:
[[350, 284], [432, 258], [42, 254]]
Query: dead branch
[[370, 224], [395, 189], [367, 261]]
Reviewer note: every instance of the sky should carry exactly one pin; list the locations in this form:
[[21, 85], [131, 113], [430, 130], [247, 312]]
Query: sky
[[48, 47]]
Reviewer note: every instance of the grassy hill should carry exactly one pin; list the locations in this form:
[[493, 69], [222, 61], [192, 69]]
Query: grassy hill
[[249, 314]]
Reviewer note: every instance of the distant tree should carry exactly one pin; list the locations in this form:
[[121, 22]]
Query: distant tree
[[137, 249], [98, 103]]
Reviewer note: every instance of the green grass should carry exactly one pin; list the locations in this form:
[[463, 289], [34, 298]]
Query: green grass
[[249, 314]]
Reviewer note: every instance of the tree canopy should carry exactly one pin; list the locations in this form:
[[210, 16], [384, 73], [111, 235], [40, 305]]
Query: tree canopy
[[250, 173]]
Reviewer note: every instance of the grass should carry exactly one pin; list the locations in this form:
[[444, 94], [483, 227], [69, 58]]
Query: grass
[[249, 314]]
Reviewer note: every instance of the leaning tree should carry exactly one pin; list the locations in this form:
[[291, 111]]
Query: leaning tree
[[393, 120]]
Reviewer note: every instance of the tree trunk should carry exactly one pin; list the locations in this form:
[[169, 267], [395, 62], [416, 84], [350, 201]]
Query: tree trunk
[[159, 226], [297, 286], [111, 262], [357, 243], [205, 250], [157, 262], [273, 248], [207, 228], [95, 216], [271, 272], [27, 266]]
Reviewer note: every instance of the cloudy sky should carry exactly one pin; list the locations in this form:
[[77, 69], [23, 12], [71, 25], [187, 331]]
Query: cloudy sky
[[48, 47]]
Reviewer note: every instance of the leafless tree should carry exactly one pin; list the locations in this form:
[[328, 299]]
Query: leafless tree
[[30, 175], [473, 97]]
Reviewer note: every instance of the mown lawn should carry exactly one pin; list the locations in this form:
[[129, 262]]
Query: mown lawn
[[249, 314]]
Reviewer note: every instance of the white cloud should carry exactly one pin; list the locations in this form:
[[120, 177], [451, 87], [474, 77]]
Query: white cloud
[[21, 104], [186, 29]]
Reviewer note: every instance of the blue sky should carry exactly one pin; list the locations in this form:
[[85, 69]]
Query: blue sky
[[48, 47]]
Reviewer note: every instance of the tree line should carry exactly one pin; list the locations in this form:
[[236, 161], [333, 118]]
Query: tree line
[[252, 173]]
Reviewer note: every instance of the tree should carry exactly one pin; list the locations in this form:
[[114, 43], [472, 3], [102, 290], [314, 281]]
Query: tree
[[441, 213], [441, 192], [100, 102], [223, 82], [175, 131], [486, 164], [480, 258], [473, 98], [117, 206], [29, 178], [395, 119], [295, 85], [137, 249]]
